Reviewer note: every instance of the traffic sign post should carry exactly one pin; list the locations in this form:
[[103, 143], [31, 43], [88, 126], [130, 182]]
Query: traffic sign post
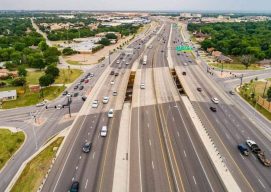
[[183, 48]]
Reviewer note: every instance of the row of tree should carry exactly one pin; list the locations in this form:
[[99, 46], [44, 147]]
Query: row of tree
[[245, 38]]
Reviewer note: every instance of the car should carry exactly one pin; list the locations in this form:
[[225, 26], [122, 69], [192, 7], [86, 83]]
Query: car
[[102, 65], [118, 62], [95, 104], [162, 51], [65, 93], [184, 73], [178, 54], [119, 66], [232, 92], [215, 100], [87, 147], [86, 81], [91, 75], [103, 131], [112, 72], [69, 95], [199, 89], [41, 104], [81, 87], [84, 98], [185, 64], [112, 82], [250, 142], [105, 100], [75, 87], [75, 94], [115, 93], [142, 86], [110, 113], [59, 106], [213, 109], [116, 74], [190, 61], [127, 63], [82, 80], [74, 186], [243, 149]]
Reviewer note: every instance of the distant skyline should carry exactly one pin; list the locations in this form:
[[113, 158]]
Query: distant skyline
[[138, 5]]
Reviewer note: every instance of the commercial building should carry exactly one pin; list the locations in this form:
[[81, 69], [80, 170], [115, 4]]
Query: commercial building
[[8, 95]]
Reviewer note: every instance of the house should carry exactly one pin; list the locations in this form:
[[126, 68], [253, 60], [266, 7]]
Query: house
[[210, 49], [264, 62], [223, 59], [8, 95], [6, 73], [34, 88], [216, 53]]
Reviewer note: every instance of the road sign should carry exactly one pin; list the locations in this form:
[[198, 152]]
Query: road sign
[[183, 48]]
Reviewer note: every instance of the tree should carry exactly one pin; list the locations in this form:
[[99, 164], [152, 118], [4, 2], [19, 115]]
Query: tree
[[111, 36], [36, 61], [22, 72], [52, 70], [19, 81], [246, 60], [43, 46], [46, 80], [104, 41], [51, 55], [68, 51], [269, 94]]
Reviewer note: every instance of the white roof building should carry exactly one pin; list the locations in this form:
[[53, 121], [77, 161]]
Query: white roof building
[[8, 95]]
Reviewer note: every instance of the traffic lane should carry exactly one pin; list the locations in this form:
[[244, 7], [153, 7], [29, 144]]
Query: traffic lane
[[106, 158], [232, 135]]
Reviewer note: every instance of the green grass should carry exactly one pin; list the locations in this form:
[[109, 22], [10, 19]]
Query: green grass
[[36, 169], [256, 87], [235, 66], [73, 62], [30, 98], [33, 77], [9, 144], [68, 75]]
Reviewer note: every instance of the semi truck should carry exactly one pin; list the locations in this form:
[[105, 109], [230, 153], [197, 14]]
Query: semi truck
[[258, 152], [145, 60]]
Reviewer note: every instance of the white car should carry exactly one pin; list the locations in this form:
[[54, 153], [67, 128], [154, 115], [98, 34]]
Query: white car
[[250, 142], [215, 100], [41, 104], [112, 82], [118, 62], [104, 131], [105, 100], [95, 104], [110, 113], [142, 86], [127, 63], [185, 64], [59, 106]]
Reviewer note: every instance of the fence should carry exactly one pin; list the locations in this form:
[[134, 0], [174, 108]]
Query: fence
[[264, 103]]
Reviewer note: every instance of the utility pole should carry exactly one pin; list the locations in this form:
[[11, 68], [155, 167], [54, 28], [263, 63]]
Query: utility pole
[[241, 78], [109, 57], [222, 68], [265, 87]]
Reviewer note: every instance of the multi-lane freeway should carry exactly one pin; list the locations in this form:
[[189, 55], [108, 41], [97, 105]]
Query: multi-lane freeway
[[165, 151]]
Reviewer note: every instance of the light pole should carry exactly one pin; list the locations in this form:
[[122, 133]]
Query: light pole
[[265, 87], [33, 130], [241, 80], [69, 104]]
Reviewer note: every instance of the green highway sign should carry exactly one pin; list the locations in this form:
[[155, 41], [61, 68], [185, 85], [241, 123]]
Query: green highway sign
[[183, 48]]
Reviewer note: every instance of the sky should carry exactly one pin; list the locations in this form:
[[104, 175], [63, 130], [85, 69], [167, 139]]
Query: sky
[[139, 5]]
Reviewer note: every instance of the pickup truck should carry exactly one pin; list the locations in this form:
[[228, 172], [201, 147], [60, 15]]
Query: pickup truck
[[258, 152]]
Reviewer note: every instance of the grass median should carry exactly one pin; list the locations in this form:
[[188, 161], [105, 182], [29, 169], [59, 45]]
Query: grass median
[[9, 143], [233, 66], [35, 171]]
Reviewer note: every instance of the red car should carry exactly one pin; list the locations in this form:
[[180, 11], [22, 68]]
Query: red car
[[86, 81]]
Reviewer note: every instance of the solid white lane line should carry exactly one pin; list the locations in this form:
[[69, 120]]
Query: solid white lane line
[[86, 184], [261, 183], [184, 153], [194, 180], [93, 155]]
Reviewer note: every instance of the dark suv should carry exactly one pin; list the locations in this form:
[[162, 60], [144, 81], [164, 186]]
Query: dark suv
[[74, 187], [87, 147]]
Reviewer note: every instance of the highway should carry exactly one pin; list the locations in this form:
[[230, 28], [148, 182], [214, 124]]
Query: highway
[[228, 127], [95, 170], [168, 152]]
